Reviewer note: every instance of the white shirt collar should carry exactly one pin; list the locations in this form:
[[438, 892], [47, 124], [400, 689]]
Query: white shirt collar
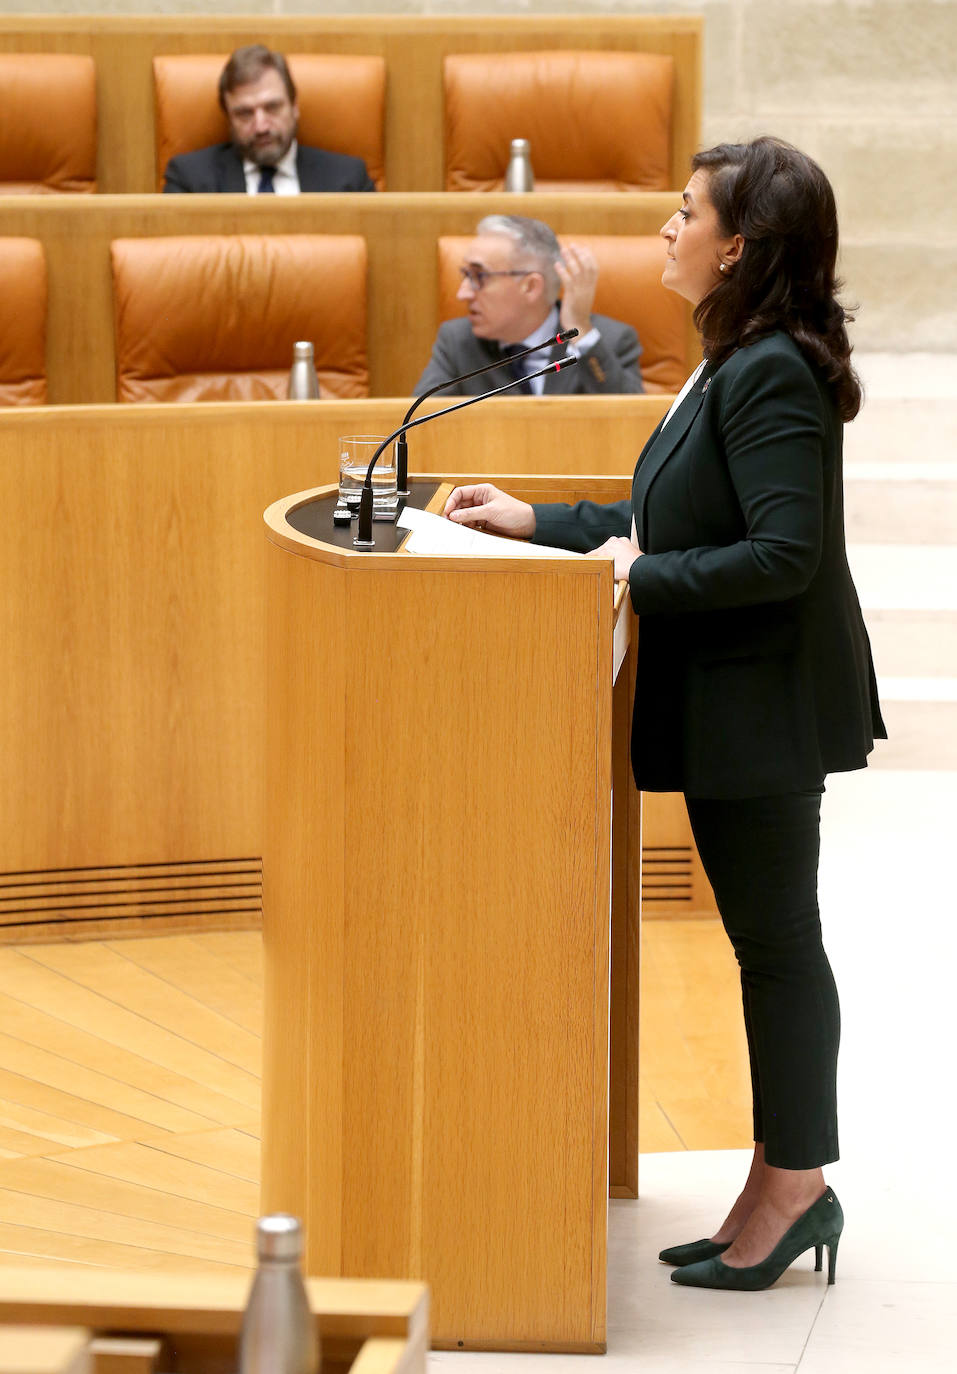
[[684, 392], [548, 326], [286, 179]]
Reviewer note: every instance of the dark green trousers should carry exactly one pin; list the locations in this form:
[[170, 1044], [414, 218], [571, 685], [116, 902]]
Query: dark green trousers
[[761, 858]]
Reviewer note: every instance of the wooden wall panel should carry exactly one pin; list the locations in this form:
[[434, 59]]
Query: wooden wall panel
[[673, 882], [413, 46], [71, 903]]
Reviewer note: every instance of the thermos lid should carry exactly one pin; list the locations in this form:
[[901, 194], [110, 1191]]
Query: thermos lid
[[279, 1236], [520, 145], [302, 349]]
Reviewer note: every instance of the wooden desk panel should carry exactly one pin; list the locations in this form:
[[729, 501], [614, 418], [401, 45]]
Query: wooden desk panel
[[131, 730], [366, 1326]]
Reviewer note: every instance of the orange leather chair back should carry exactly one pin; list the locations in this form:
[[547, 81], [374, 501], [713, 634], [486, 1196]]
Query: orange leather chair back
[[341, 105], [214, 318], [47, 123], [596, 121], [629, 289], [23, 323]]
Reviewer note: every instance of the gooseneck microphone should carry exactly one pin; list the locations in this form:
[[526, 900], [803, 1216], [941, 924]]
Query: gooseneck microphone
[[402, 448], [363, 539]]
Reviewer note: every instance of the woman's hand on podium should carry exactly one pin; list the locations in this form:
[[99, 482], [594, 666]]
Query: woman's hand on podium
[[623, 551], [484, 507]]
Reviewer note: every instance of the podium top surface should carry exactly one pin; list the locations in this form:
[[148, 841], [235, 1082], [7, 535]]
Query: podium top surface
[[314, 518], [302, 524]]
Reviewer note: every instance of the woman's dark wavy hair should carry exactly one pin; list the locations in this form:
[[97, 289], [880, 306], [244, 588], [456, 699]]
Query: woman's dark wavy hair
[[782, 204]]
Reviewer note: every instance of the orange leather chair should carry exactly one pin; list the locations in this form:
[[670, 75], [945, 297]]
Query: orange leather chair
[[47, 123], [629, 289], [23, 321], [341, 106], [214, 318], [596, 121]]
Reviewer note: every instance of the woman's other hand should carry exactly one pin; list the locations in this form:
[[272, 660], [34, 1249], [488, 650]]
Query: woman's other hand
[[484, 507], [623, 551]]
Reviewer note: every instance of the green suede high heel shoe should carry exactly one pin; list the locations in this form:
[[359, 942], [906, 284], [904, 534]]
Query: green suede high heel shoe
[[693, 1252], [820, 1225]]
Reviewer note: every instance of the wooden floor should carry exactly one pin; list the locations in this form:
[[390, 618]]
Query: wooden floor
[[694, 1088], [129, 1089]]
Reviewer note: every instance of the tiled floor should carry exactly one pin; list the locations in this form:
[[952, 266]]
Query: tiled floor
[[888, 902]]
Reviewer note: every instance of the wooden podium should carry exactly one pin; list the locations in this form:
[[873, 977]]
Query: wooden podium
[[445, 891]]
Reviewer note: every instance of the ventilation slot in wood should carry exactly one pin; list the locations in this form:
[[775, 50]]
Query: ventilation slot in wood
[[666, 875], [81, 903]]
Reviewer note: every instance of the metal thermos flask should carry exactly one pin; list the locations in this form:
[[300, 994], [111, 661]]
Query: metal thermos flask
[[303, 382], [518, 175], [279, 1332]]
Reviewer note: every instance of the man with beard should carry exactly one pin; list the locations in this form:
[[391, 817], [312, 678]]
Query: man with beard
[[259, 97]]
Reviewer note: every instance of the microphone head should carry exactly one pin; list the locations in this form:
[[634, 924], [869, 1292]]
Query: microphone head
[[569, 360], [565, 335]]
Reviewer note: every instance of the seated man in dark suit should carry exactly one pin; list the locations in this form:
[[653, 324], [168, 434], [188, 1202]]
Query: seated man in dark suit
[[514, 273], [259, 97]]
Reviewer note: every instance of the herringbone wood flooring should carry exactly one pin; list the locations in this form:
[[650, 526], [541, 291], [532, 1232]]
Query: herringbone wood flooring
[[129, 1089]]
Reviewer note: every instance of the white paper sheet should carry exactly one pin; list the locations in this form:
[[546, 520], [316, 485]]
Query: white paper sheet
[[435, 536]]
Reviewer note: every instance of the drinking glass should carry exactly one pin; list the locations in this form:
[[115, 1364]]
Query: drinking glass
[[355, 455]]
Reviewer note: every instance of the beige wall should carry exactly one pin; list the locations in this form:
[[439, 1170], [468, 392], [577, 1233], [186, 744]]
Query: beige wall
[[865, 86]]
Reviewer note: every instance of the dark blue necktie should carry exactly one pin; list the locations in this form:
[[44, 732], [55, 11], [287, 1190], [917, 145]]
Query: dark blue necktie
[[516, 368], [266, 175]]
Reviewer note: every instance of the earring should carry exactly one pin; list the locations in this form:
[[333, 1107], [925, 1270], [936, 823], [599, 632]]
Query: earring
[[722, 267]]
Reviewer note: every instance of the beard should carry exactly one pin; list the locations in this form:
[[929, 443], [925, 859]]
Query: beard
[[266, 152]]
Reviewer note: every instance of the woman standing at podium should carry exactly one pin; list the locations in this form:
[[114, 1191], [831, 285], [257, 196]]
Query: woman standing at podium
[[755, 677]]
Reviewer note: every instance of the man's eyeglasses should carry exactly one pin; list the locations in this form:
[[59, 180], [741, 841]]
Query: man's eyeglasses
[[478, 276]]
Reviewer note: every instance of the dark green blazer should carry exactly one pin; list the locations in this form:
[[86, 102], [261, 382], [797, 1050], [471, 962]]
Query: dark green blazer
[[754, 668]]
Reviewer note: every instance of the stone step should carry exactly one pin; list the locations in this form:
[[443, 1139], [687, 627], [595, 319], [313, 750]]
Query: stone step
[[901, 515], [903, 429], [908, 594], [911, 643], [900, 503], [912, 577], [922, 733], [921, 376], [910, 409]]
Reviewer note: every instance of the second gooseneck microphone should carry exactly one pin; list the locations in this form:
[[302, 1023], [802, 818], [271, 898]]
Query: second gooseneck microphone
[[363, 539], [402, 448]]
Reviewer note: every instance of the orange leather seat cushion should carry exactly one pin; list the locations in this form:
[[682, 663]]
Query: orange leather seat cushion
[[596, 121], [341, 105], [214, 318], [47, 123], [629, 289], [23, 291]]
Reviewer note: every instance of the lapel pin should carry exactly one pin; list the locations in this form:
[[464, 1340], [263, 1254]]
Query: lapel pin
[[707, 383]]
